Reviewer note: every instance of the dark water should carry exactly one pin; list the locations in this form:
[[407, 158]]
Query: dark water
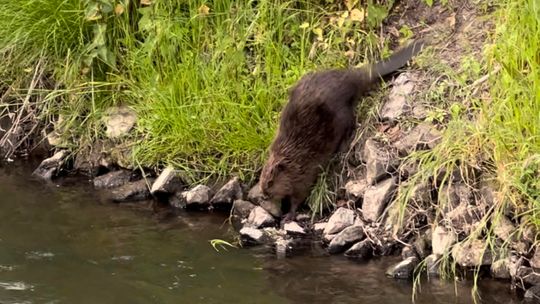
[[64, 244]]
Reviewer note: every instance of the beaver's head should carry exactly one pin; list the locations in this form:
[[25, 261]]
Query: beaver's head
[[276, 178]]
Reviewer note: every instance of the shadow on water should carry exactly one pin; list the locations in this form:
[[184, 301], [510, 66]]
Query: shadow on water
[[62, 243]]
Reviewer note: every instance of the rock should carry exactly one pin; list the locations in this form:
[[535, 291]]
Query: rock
[[408, 168], [113, 179], [292, 228], [462, 218], [407, 252], [255, 196], [303, 217], [319, 227], [167, 182], [423, 136], [532, 277], [420, 246], [51, 165], [177, 201], [514, 266], [258, 217], [441, 240], [432, 262], [119, 121], [376, 198], [198, 197], [471, 253], [403, 269], [327, 238], [341, 219], [252, 236], [535, 260], [454, 195], [133, 191], [379, 162], [533, 293], [355, 189], [227, 194], [242, 208], [500, 269], [396, 105], [283, 246], [503, 228], [361, 250], [420, 193], [345, 238]]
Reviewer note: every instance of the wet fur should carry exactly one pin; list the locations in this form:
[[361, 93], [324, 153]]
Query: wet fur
[[317, 120]]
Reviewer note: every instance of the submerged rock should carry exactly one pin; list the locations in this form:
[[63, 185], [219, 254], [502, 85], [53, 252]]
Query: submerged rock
[[168, 182], [258, 217], [533, 293], [242, 208], [376, 198], [500, 269], [432, 262], [341, 219], [396, 105], [255, 196], [293, 228], [379, 162], [133, 191], [403, 269], [345, 238], [119, 121], [252, 236], [113, 179], [227, 194], [197, 198], [51, 165], [471, 253], [442, 239], [361, 250]]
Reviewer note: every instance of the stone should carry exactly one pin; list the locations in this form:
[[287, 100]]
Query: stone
[[255, 196], [503, 228], [454, 195], [423, 136], [177, 201], [442, 239], [407, 252], [119, 121], [340, 219], [51, 165], [462, 218], [168, 182], [397, 105], [380, 163], [361, 250], [242, 208], [327, 238], [258, 217], [283, 246], [420, 246], [472, 253], [532, 278], [420, 193], [533, 293], [432, 262], [500, 269], [535, 260], [346, 238], [293, 228], [252, 236], [355, 189], [303, 217], [403, 269], [376, 198], [319, 227], [113, 179], [227, 194], [198, 197], [133, 191]]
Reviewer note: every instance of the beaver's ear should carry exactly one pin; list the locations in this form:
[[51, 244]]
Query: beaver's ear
[[279, 167]]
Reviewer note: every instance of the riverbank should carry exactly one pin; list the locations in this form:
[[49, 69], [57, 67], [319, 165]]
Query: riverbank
[[442, 170]]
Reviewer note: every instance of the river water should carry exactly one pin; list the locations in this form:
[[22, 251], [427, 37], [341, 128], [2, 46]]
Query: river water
[[62, 242]]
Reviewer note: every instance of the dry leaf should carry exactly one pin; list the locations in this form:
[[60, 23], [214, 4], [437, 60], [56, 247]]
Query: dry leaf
[[119, 9], [357, 15], [146, 2], [204, 10], [350, 54], [451, 20]]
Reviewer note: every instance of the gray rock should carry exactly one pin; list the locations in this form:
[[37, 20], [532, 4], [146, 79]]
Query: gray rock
[[319, 227], [258, 217], [133, 191], [420, 193], [252, 236], [420, 246], [283, 246], [361, 250], [407, 252], [255, 196], [432, 262], [355, 189], [532, 277], [503, 228], [533, 293], [198, 197], [462, 218], [177, 201], [51, 165], [379, 162], [376, 198], [442, 239], [535, 260], [340, 219], [396, 105], [303, 217], [119, 121], [242, 208], [500, 269], [168, 181], [346, 238], [227, 194], [454, 195], [328, 237], [403, 269], [113, 179], [472, 253], [423, 136], [293, 228]]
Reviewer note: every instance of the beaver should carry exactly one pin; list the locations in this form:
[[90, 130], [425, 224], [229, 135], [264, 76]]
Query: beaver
[[316, 122]]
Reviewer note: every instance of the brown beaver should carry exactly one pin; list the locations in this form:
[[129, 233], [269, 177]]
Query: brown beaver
[[317, 120]]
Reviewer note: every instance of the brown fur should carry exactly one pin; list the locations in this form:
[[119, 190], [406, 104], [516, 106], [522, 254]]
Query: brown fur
[[315, 122]]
